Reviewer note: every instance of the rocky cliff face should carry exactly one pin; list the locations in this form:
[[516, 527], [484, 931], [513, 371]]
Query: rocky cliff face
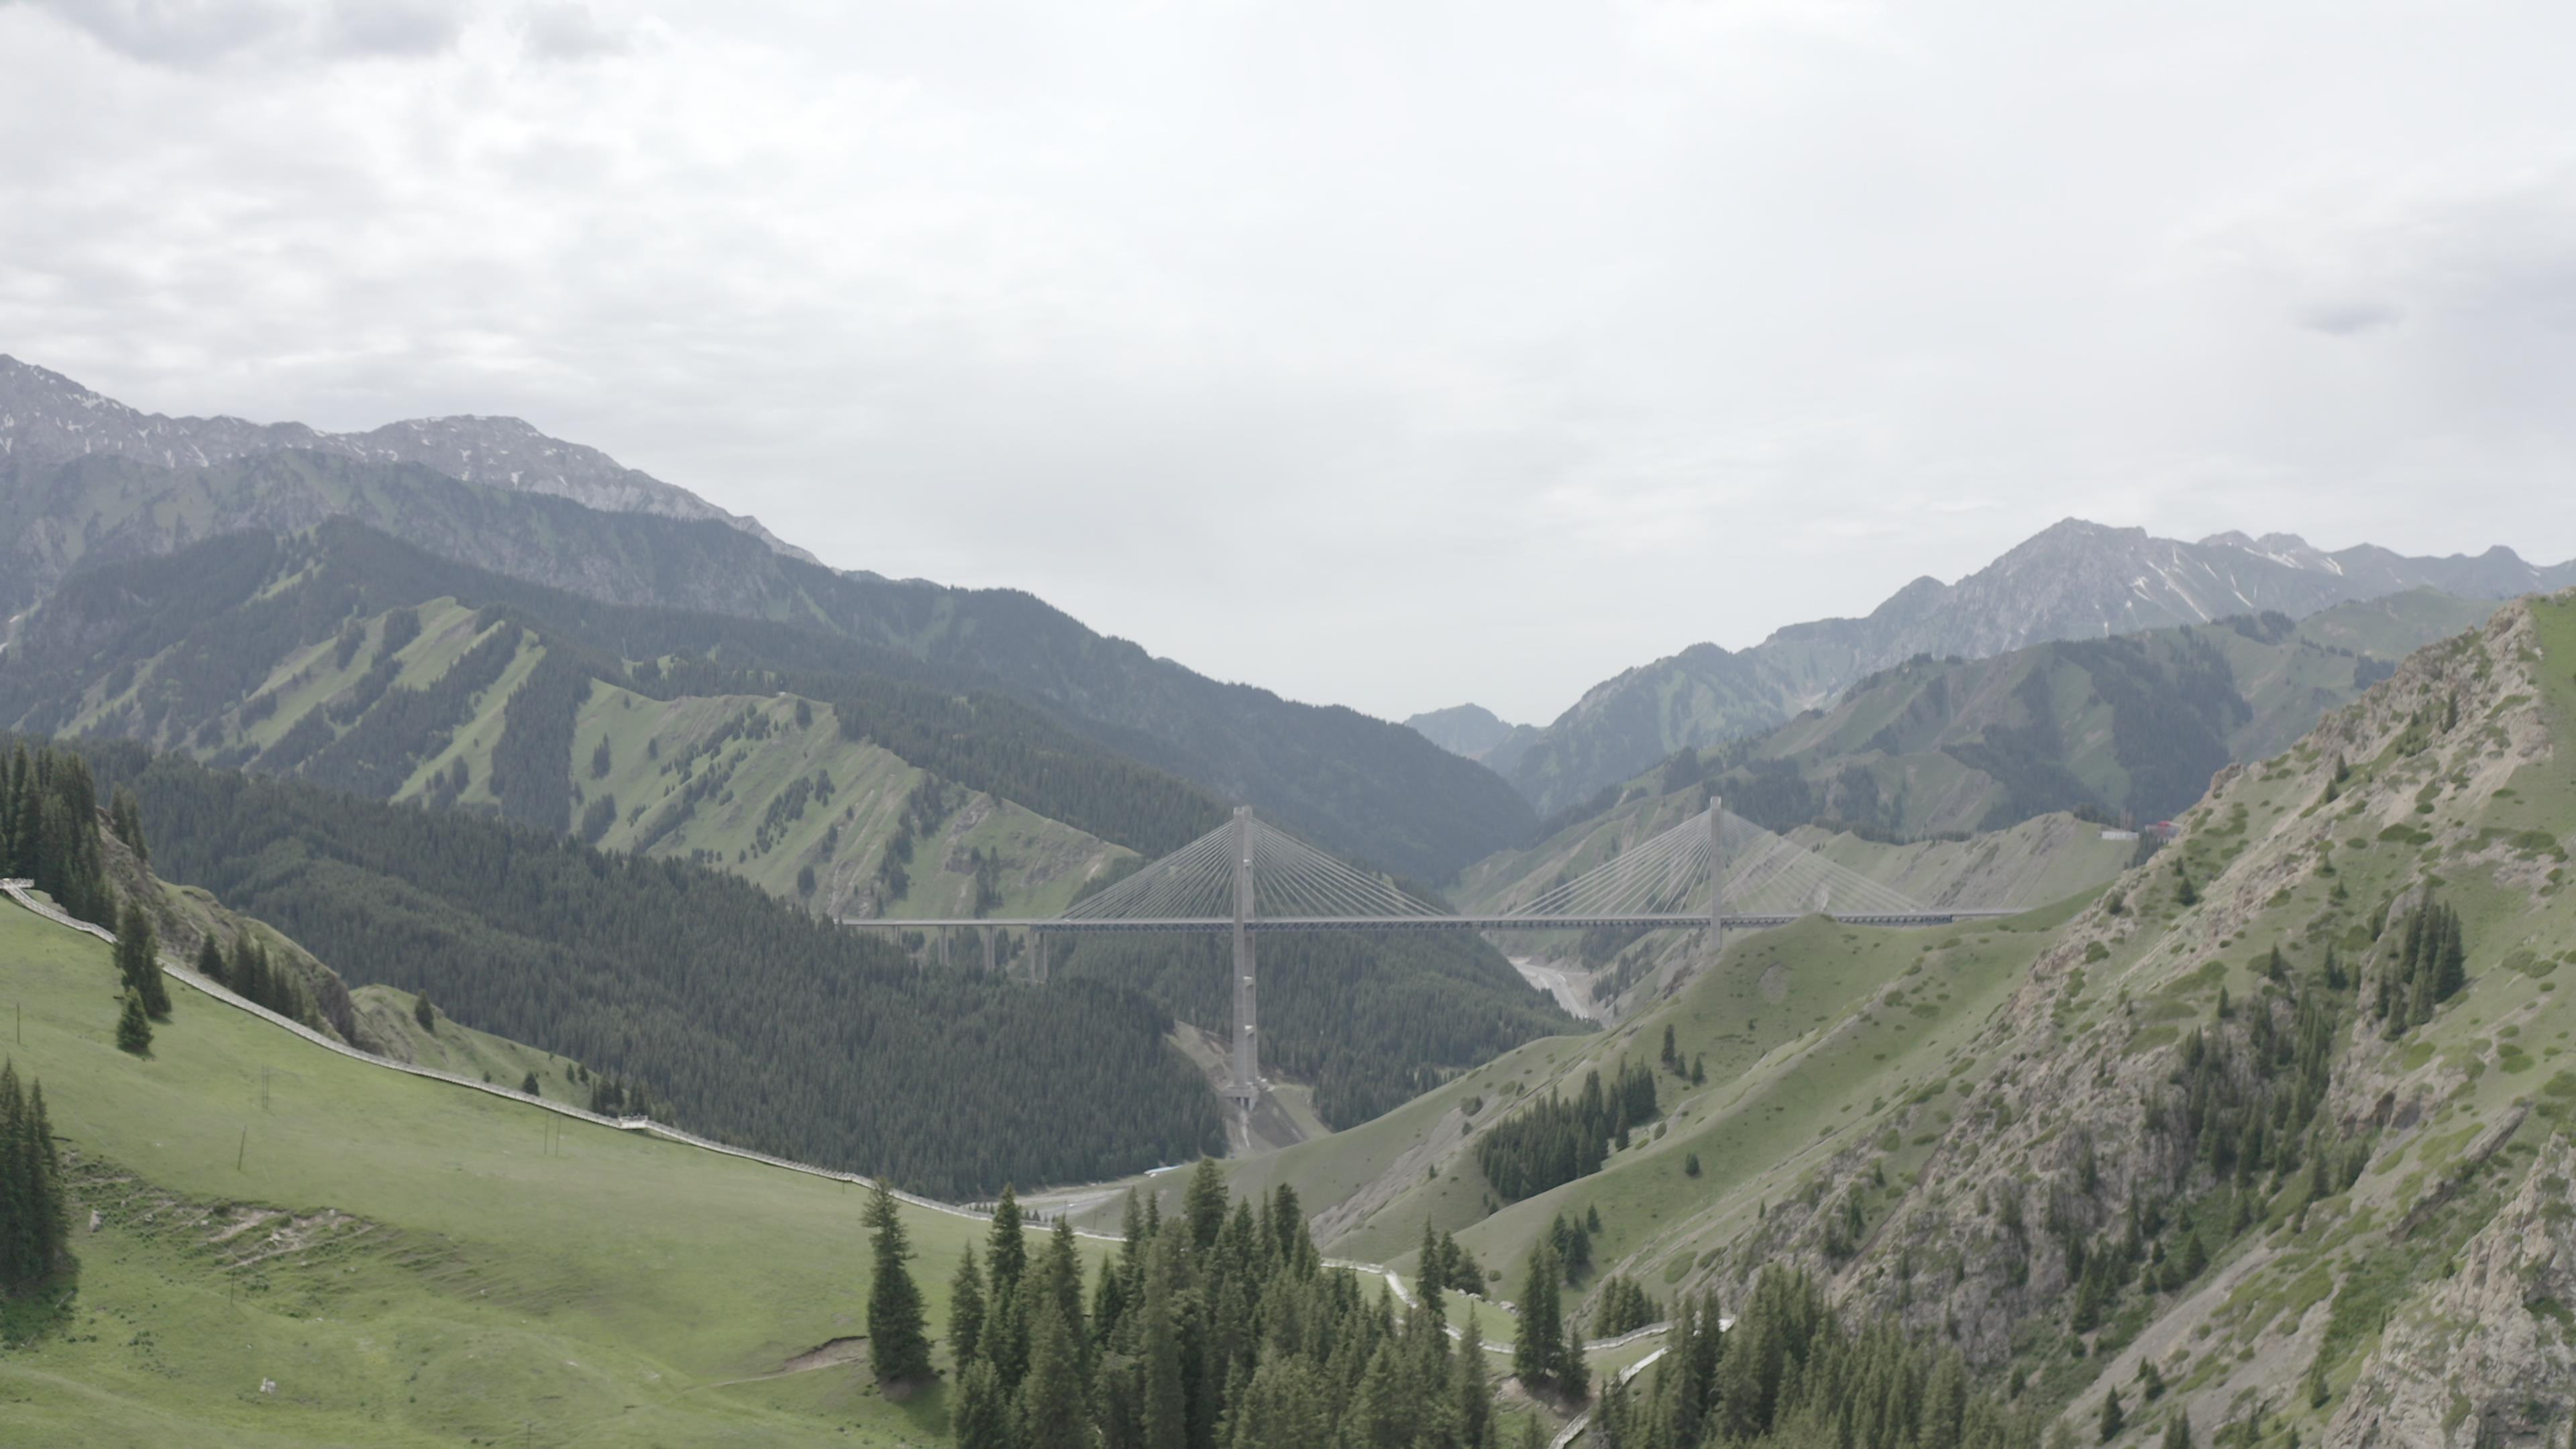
[[2470, 1363], [2367, 1233], [2268, 1134], [47, 419]]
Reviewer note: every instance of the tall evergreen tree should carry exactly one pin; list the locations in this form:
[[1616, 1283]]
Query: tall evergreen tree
[[1541, 1345], [897, 1344], [1429, 1273], [49, 831], [33, 1224], [138, 960], [1205, 1204], [210, 961], [965, 1309], [1054, 1412], [133, 1026], [125, 817], [1285, 1406], [1166, 1407], [1475, 1396], [1009, 1253], [985, 1413]]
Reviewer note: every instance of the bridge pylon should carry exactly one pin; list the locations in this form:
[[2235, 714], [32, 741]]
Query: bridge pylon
[[1245, 1089], [1716, 874]]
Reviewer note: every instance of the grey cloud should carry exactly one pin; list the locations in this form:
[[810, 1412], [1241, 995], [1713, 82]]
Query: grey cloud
[[398, 28], [569, 31], [2347, 318], [1523, 327], [194, 34], [178, 33]]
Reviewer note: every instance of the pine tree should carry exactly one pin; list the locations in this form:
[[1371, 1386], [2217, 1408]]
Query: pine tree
[[897, 1345], [422, 1012], [1009, 1250], [2178, 1430], [210, 960], [126, 818], [1205, 1204], [528, 1084], [1475, 1396], [1005, 1341], [1285, 1406], [1541, 1345], [984, 1413], [965, 1309], [1165, 1411], [2112, 1418], [1427, 1273], [133, 1026], [33, 1225], [1053, 1414], [138, 960]]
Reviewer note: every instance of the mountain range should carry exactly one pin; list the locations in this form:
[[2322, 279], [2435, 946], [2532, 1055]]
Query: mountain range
[[89, 485], [2074, 580], [47, 419], [2261, 1141]]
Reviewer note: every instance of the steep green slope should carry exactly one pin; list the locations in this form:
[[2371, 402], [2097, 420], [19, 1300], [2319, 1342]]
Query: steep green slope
[[2072, 581], [810, 1040], [775, 790], [2124, 725], [1366, 787], [1700, 696], [2327, 1184], [1369, 1019], [2045, 859], [295, 1248], [249, 650], [2131, 724]]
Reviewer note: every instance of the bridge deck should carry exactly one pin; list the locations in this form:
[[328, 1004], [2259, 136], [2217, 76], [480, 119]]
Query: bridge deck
[[1068, 925]]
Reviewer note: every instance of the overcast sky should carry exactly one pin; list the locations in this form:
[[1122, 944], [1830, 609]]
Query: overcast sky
[[1384, 354]]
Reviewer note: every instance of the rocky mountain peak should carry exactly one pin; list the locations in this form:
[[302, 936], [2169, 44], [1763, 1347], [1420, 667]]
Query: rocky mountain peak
[[1461, 729], [47, 419]]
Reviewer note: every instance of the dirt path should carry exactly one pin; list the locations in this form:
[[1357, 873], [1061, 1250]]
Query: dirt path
[[834, 1353]]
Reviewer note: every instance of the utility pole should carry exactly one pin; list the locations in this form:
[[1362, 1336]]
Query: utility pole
[[1716, 874], [1246, 1089]]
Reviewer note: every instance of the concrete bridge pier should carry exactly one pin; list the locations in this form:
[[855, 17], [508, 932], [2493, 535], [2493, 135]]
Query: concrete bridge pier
[[1716, 874], [1245, 1089]]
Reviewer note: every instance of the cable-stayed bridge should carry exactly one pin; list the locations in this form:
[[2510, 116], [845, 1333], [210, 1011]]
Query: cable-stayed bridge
[[1712, 871]]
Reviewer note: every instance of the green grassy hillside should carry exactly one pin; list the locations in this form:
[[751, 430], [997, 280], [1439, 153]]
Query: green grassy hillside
[[413, 1263], [2119, 1131], [385, 1019], [769, 787], [633, 587], [2134, 723]]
